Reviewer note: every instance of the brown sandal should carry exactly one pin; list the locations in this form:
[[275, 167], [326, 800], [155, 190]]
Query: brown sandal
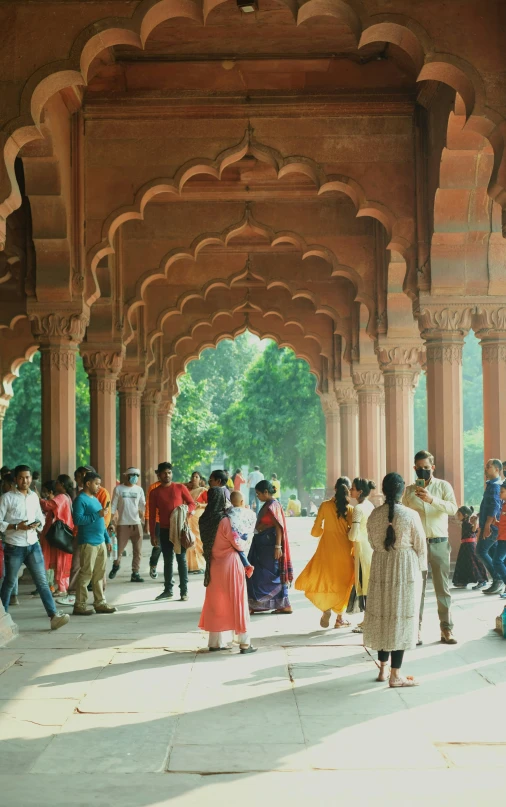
[[342, 623]]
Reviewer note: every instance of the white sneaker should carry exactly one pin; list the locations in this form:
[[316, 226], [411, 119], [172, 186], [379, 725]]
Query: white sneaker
[[59, 620], [69, 599]]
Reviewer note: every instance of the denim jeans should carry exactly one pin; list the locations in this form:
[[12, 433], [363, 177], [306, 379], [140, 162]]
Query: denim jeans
[[31, 556], [168, 564], [484, 550], [156, 550], [499, 564]]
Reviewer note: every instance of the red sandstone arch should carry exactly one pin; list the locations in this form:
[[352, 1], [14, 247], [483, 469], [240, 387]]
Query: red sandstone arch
[[399, 231], [74, 71], [467, 221], [16, 348], [223, 239], [192, 350]]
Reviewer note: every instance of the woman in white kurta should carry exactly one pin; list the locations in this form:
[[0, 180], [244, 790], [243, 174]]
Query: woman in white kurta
[[395, 585], [360, 490]]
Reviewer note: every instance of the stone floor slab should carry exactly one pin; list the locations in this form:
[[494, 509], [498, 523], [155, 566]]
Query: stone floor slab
[[112, 744]]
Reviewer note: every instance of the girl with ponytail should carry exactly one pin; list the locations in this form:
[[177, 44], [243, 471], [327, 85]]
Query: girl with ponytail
[[395, 585], [328, 578], [469, 568]]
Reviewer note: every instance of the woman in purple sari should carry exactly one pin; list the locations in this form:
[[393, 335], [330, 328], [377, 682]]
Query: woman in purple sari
[[270, 555]]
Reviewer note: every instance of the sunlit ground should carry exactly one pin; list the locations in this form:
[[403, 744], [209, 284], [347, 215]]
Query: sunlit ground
[[126, 710]]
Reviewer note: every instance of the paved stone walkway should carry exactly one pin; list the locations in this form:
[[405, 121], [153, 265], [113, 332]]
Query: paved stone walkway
[[131, 710]]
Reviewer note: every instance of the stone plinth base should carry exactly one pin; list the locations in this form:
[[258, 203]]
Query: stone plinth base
[[8, 628]]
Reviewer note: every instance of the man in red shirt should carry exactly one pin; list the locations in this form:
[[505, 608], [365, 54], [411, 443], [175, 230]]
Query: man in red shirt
[[163, 500]]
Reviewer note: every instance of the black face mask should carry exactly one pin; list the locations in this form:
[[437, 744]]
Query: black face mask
[[424, 473]]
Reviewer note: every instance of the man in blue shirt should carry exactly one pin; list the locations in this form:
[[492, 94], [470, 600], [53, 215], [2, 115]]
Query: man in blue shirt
[[490, 510], [94, 544]]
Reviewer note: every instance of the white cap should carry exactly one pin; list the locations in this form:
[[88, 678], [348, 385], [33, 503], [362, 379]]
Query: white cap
[[132, 472]]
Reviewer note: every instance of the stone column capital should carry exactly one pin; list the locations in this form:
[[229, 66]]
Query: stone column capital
[[489, 323], [102, 362], [151, 397], [345, 392], [4, 405], [367, 379], [166, 409], [444, 321], [400, 358], [67, 326], [132, 382], [330, 404]]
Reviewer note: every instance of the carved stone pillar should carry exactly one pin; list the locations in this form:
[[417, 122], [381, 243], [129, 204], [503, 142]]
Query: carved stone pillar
[[149, 435], [490, 327], [401, 368], [131, 387], [59, 336], [103, 367], [383, 440], [330, 406], [3, 409], [443, 330], [369, 386], [165, 412], [348, 410]]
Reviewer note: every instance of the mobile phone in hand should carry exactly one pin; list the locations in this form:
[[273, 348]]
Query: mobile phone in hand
[[420, 483]]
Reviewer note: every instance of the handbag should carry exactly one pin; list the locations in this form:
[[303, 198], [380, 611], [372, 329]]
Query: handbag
[[187, 537], [60, 536]]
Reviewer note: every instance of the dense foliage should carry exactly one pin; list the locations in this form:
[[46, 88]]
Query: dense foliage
[[278, 421]]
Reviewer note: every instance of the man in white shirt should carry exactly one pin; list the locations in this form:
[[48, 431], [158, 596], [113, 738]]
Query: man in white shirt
[[21, 520], [254, 478], [434, 500], [128, 508]]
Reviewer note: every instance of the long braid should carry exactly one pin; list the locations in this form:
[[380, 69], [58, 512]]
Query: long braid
[[393, 487]]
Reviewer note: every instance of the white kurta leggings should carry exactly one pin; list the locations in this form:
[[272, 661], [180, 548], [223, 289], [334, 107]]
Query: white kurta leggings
[[224, 637]]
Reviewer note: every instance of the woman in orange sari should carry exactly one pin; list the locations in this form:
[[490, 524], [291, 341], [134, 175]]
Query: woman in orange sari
[[195, 555], [328, 578], [57, 505]]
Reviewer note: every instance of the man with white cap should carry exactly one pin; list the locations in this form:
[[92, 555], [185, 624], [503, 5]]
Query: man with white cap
[[127, 509]]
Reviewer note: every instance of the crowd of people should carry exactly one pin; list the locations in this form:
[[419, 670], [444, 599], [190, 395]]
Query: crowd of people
[[369, 559]]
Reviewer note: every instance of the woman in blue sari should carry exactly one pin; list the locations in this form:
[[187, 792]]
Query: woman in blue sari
[[270, 555]]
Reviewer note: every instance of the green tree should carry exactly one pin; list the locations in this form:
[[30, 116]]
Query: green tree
[[82, 416], [223, 368], [22, 426], [278, 422], [195, 429]]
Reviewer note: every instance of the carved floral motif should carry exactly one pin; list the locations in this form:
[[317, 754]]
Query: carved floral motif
[[132, 382], [330, 404], [487, 320], [442, 318], [54, 357], [364, 379], [71, 327], [444, 353], [102, 361]]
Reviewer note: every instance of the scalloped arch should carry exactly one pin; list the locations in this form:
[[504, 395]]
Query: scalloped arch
[[224, 238], [405, 33], [213, 340], [215, 168]]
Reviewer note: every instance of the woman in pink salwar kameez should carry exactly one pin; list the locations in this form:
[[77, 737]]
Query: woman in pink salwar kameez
[[57, 506], [225, 610]]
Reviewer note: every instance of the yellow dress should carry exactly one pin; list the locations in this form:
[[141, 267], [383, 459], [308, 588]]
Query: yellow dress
[[328, 578]]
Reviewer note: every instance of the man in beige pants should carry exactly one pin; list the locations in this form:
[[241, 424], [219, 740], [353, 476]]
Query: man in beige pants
[[434, 500], [94, 544]]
